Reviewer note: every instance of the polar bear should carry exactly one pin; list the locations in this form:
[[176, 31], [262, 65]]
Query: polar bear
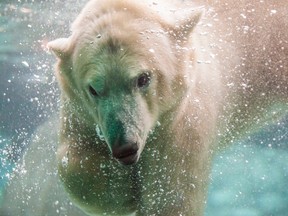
[[151, 90]]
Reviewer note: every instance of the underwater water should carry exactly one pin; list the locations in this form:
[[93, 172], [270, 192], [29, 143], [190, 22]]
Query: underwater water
[[249, 178]]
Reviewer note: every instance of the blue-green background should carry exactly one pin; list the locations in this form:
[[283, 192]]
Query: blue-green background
[[249, 178]]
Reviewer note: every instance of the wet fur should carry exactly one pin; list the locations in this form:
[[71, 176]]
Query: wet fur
[[219, 72]]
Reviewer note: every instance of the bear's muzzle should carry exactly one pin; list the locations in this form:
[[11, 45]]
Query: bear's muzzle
[[127, 153]]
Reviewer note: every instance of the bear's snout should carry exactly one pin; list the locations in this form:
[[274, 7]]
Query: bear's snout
[[121, 137], [127, 153]]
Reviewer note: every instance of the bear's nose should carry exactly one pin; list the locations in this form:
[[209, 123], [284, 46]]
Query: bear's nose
[[126, 153]]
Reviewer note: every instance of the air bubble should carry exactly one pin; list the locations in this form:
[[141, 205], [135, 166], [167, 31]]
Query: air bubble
[[99, 133]]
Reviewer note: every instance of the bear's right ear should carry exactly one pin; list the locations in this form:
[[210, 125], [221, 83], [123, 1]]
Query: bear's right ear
[[185, 26], [60, 47]]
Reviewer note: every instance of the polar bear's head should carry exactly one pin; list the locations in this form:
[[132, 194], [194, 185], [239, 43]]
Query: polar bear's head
[[124, 65]]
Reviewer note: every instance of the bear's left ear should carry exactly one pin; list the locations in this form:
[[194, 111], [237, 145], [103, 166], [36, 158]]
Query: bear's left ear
[[184, 27], [60, 47]]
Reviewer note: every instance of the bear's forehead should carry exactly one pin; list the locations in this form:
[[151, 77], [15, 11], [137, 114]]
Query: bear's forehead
[[110, 57], [116, 31], [115, 45], [109, 42]]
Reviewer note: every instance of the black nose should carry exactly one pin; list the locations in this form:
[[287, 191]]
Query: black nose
[[126, 153]]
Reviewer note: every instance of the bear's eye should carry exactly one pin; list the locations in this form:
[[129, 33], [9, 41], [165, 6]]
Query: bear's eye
[[143, 80], [93, 91]]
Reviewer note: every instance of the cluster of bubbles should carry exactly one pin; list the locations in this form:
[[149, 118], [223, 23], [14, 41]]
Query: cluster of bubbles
[[29, 92], [29, 96]]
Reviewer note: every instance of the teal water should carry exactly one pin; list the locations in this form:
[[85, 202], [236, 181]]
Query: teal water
[[6, 165], [249, 178]]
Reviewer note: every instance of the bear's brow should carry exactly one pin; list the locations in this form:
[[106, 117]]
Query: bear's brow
[[113, 45]]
